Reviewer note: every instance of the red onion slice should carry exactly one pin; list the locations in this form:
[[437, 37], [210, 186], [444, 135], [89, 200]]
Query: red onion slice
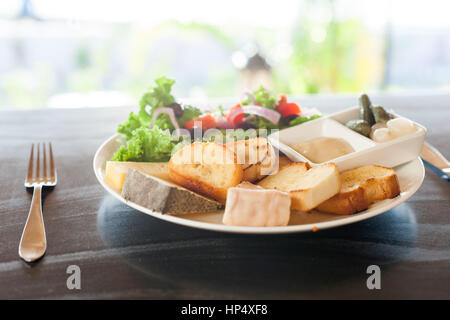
[[164, 110], [271, 115]]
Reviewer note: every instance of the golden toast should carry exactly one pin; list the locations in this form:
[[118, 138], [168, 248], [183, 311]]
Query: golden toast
[[207, 168], [361, 187]]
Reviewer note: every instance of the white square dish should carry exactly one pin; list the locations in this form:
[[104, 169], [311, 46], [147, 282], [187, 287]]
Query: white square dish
[[388, 154]]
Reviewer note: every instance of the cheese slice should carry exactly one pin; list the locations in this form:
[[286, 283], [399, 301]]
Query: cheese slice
[[165, 197], [254, 206], [116, 171]]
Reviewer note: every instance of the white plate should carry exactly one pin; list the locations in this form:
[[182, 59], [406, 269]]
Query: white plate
[[410, 175]]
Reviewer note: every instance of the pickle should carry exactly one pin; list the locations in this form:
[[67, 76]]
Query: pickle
[[360, 126], [380, 114], [365, 112]]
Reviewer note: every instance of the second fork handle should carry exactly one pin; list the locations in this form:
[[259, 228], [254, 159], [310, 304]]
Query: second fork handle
[[33, 242]]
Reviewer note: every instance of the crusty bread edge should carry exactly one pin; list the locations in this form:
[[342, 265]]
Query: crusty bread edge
[[381, 188], [359, 198], [199, 186], [204, 188], [346, 203]]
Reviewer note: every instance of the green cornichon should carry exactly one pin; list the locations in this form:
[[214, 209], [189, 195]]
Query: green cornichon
[[360, 126], [380, 114], [365, 112]]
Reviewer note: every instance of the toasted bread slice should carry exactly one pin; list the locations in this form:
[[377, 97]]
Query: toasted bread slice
[[283, 161], [257, 156], [361, 187], [286, 177], [269, 165], [308, 188], [253, 173], [251, 151], [348, 201], [378, 182], [207, 168]]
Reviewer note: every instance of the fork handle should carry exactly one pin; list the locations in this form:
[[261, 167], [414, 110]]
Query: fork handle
[[33, 242]]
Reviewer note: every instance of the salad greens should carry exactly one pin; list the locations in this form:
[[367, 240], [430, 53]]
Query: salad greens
[[142, 143], [152, 145], [300, 120], [127, 127], [263, 98], [157, 144], [156, 97]]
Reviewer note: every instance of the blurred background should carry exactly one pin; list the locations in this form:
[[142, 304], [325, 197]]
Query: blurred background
[[91, 53]]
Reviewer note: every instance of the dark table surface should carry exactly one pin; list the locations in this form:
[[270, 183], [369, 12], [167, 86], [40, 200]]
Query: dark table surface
[[123, 253]]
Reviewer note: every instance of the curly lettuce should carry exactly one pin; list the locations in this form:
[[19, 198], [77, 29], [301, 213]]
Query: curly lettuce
[[146, 145], [127, 127], [156, 97]]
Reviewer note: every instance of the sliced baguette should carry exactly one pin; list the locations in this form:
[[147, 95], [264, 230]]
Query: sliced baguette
[[251, 151], [207, 168], [253, 154], [269, 165], [283, 161], [307, 189], [361, 187], [378, 182], [348, 201]]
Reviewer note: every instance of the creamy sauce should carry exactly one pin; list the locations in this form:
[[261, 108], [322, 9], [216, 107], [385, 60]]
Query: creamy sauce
[[322, 149]]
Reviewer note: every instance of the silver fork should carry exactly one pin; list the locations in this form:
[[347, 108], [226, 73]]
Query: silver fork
[[33, 242]]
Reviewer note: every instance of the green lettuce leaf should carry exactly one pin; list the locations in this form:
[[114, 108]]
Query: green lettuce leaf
[[300, 120], [130, 125], [156, 97], [149, 145], [263, 98]]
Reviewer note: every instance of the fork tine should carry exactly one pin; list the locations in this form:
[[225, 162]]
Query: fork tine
[[30, 164], [44, 154], [52, 163], [38, 169]]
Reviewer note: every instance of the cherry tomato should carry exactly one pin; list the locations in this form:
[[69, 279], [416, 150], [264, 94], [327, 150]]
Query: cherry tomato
[[238, 119], [207, 122], [287, 108]]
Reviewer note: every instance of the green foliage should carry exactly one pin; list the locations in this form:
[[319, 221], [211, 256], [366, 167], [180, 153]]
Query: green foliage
[[301, 120], [156, 97], [152, 145], [322, 64], [263, 98], [129, 125], [189, 113]]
